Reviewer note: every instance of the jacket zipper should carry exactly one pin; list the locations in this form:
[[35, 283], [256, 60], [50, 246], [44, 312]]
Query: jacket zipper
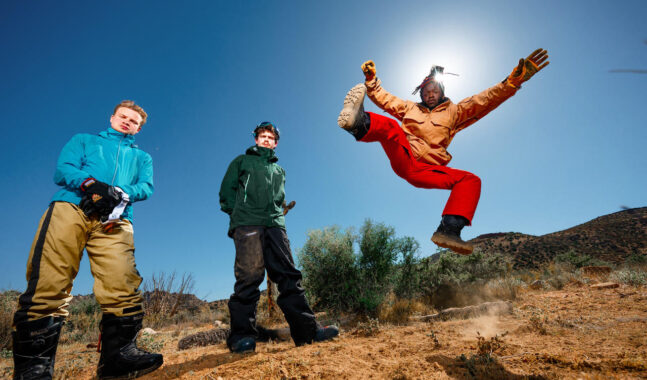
[[245, 188], [117, 161], [271, 200]]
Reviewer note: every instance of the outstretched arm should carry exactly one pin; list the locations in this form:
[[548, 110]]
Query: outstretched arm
[[528, 67], [471, 109], [395, 106]]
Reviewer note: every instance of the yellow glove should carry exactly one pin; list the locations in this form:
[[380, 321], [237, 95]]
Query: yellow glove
[[528, 67], [368, 68], [288, 206]]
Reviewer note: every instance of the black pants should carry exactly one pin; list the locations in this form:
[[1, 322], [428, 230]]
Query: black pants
[[259, 248]]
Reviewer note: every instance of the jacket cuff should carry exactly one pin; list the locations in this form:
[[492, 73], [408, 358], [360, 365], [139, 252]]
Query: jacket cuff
[[372, 84]]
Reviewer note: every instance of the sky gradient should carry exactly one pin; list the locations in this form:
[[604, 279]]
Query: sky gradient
[[568, 147]]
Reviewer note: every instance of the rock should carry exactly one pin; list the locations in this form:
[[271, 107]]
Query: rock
[[219, 335], [537, 284], [605, 285], [148, 331], [204, 338], [631, 319]]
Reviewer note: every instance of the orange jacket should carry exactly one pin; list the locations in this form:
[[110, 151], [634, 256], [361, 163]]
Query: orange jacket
[[430, 131]]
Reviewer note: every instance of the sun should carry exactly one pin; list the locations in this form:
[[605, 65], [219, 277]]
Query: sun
[[456, 55]]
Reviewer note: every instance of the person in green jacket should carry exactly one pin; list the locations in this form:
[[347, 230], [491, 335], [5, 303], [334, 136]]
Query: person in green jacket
[[252, 194]]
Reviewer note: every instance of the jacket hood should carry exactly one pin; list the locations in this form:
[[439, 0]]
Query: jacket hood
[[116, 135], [267, 153]]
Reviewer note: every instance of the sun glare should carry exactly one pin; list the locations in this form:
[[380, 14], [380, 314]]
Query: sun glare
[[456, 54]]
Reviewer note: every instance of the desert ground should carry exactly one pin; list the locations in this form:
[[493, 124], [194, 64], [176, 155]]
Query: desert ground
[[575, 333]]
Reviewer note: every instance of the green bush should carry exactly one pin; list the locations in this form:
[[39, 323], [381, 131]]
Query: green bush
[[577, 260], [82, 324], [409, 273], [337, 278], [630, 276], [636, 259], [328, 262], [87, 305]]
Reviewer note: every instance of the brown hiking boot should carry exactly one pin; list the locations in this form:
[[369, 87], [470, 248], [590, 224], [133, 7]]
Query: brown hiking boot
[[448, 235], [352, 117]]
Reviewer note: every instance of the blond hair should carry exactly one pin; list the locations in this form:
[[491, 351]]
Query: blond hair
[[130, 104]]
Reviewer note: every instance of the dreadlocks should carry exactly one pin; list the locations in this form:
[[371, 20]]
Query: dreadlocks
[[433, 73]]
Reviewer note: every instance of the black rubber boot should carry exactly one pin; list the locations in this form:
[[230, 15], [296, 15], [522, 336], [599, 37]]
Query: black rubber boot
[[326, 333], [34, 348], [245, 344], [120, 357], [352, 117], [448, 234]]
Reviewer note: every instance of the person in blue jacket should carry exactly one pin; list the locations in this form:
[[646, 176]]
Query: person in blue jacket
[[100, 176]]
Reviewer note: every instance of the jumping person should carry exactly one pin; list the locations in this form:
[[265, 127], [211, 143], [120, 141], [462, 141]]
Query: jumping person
[[100, 177], [417, 149], [252, 194]]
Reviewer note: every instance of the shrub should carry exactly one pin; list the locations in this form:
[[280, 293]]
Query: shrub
[[165, 299], [633, 276], [84, 305], [408, 277], [379, 250], [82, 324], [328, 262], [504, 287], [399, 311], [636, 259], [8, 305], [339, 279], [577, 260]]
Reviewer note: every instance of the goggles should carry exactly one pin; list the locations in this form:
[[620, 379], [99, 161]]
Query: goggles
[[266, 125]]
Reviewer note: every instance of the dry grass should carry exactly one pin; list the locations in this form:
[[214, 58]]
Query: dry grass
[[370, 327], [398, 311], [636, 276], [8, 305]]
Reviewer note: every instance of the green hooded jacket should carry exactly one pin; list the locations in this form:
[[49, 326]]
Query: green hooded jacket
[[253, 190]]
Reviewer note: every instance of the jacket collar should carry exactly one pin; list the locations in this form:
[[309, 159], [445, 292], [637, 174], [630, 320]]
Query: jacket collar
[[111, 134], [266, 153], [443, 104]]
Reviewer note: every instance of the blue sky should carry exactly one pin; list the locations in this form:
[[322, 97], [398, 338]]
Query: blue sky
[[567, 148]]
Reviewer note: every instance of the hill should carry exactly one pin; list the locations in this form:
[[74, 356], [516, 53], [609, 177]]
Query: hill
[[612, 238]]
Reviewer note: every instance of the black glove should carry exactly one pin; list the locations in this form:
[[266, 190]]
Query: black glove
[[99, 198]]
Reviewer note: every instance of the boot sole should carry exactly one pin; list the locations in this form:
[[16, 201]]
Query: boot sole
[[133, 375], [353, 100], [444, 242]]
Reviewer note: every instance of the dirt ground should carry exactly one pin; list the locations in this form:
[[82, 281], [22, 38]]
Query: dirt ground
[[574, 333]]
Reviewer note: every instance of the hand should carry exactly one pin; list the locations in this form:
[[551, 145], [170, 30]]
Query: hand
[[368, 68], [287, 207], [99, 198], [528, 67]]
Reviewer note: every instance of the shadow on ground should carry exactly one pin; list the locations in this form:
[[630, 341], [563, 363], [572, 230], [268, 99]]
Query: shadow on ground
[[198, 364], [477, 367]]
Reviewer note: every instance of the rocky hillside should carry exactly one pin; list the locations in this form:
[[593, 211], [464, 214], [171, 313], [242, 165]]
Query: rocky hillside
[[611, 238]]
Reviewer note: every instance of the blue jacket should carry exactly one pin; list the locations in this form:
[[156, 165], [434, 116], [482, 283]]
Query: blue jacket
[[110, 157]]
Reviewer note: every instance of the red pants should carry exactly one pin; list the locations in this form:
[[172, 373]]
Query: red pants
[[465, 186]]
